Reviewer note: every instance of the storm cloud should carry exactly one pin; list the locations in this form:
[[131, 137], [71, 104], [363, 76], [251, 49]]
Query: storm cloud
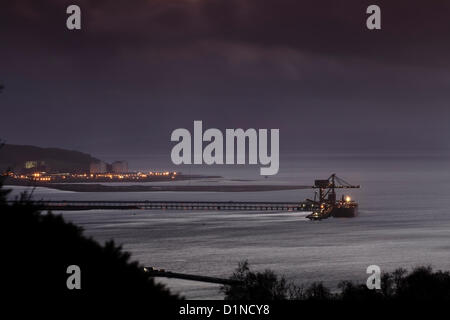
[[140, 69]]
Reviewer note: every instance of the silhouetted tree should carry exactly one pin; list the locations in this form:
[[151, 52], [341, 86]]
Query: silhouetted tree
[[357, 292], [317, 291], [255, 285], [423, 284], [420, 284]]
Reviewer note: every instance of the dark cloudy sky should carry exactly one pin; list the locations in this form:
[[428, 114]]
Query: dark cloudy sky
[[140, 69]]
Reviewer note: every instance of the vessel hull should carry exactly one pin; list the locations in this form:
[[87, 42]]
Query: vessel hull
[[344, 212]]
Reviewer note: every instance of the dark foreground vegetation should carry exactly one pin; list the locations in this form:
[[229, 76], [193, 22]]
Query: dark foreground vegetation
[[422, 283], [41, 246]]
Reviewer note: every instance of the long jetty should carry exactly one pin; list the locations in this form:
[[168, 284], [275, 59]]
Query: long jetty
[[176, 205]]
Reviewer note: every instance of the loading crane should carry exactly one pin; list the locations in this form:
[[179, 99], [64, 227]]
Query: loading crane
[[328, 204]]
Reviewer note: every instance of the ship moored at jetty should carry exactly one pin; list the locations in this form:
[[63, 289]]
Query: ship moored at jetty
[[327, 205]]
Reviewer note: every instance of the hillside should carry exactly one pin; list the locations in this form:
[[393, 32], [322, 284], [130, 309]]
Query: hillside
[[55, 159]]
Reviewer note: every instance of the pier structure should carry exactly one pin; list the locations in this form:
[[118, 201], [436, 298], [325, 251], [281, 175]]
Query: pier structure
[[177, 205]]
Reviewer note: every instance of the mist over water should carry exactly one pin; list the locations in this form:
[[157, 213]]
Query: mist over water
[[404, 221]]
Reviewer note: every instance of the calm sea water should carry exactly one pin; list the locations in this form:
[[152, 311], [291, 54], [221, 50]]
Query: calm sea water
[[404, 222]]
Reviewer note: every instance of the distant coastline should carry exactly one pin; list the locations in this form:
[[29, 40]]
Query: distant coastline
[[95, 187]]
